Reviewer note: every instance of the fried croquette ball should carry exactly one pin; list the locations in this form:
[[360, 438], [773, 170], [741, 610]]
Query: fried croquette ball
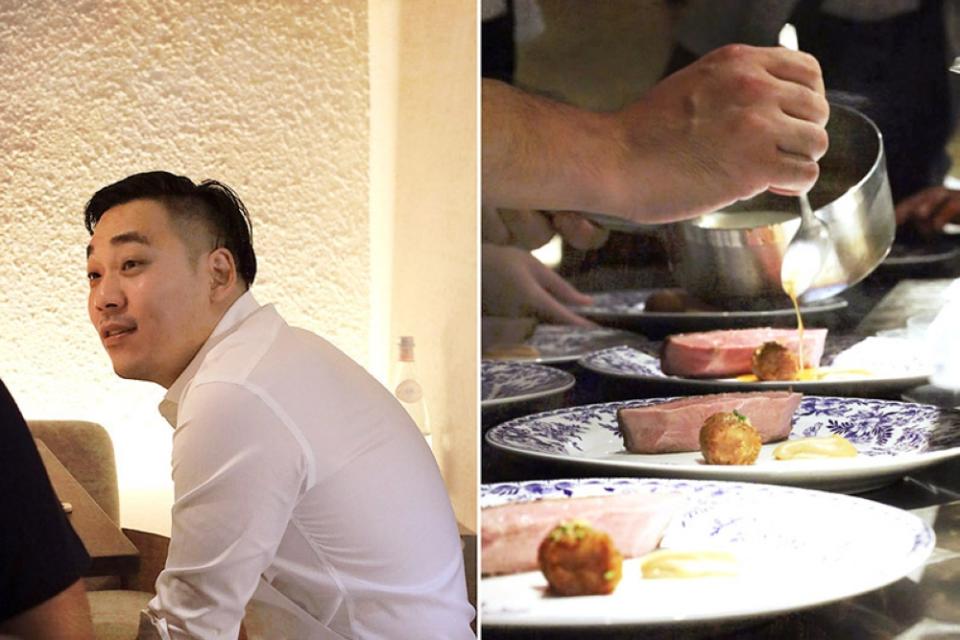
[[674, 301], [578, 560], [666, 301], [773, 361], [729, 438]]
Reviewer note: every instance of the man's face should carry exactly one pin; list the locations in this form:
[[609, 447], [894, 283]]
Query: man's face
[[148, 302]]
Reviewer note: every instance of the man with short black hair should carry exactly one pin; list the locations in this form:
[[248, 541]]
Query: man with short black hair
[[301, 485]]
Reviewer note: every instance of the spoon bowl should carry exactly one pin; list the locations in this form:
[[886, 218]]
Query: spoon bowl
[[804, 256]]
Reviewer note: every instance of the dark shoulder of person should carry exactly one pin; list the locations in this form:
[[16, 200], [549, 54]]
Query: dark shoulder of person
[[497, 48], [40, 554]]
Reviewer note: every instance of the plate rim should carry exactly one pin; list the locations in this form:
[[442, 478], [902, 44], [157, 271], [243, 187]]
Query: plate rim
[[568, 381], [906, 565], [930, 258], [767, 385], [843, 479], [837, 303], [566, 358]]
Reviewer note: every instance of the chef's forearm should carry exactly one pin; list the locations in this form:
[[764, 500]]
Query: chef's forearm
[[541, 154]]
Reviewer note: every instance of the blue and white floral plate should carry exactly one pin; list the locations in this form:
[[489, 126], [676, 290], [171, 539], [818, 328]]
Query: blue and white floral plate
[[559, 343], [627, 309], [887, 373], [503, 383], [893, 438], [796, 548]]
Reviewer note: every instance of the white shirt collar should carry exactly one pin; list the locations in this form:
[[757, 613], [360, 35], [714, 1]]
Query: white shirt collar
[[243, 307]]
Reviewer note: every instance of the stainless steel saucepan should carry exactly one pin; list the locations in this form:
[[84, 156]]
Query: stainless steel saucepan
[[731, 258], [740, 266]]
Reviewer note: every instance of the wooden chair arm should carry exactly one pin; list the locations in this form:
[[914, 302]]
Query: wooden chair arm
[[153, 556]]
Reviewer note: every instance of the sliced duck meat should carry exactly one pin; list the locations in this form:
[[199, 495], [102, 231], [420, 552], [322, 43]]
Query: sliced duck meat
[[510, 534], [674, 426], [728, 352]]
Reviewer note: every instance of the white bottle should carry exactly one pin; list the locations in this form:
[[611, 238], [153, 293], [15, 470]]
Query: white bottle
[[408, 390]]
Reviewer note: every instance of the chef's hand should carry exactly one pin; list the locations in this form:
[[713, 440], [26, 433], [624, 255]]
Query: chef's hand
[[929, 209], [532, 229], [737, 122], [515, 284]]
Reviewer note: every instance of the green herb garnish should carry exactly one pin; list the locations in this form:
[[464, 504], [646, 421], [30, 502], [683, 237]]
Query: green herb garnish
[[570, 529]]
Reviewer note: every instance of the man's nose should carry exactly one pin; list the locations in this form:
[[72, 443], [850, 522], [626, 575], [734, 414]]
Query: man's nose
[[108, 293]]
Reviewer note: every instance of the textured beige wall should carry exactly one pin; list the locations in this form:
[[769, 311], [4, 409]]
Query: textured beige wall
[[435, 226], [269, 96]]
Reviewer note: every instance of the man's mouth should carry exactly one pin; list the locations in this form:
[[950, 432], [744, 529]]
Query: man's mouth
[[114, 333]]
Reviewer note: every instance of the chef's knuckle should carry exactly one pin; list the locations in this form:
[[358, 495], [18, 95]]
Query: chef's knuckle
[[732, 53], [821, 142]]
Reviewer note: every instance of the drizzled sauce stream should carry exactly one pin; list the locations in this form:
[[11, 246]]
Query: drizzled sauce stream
[[789, 288]]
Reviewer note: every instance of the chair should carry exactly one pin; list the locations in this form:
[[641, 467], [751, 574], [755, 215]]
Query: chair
[[468, 543], [86, 451]]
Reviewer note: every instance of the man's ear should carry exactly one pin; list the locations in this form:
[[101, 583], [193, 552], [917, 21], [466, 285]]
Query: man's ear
[[223, 273]]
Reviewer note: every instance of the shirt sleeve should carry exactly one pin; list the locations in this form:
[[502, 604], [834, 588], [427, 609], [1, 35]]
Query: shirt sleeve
[[238, 472], [40, 553]]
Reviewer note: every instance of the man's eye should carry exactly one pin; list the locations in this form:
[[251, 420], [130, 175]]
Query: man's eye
[[130, 264], [92, 275]]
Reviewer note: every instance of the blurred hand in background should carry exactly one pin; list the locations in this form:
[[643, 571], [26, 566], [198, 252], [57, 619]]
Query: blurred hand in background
[[516, 284], [531, 229]]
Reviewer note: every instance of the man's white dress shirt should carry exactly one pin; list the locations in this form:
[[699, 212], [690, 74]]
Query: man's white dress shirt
[[302, 487]]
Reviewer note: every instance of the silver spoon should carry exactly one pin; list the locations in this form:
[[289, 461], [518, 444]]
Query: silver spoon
[[804, 256], [806, 252]]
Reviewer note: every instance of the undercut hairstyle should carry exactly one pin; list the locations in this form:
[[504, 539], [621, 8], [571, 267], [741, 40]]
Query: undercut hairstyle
[[212, 204]]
